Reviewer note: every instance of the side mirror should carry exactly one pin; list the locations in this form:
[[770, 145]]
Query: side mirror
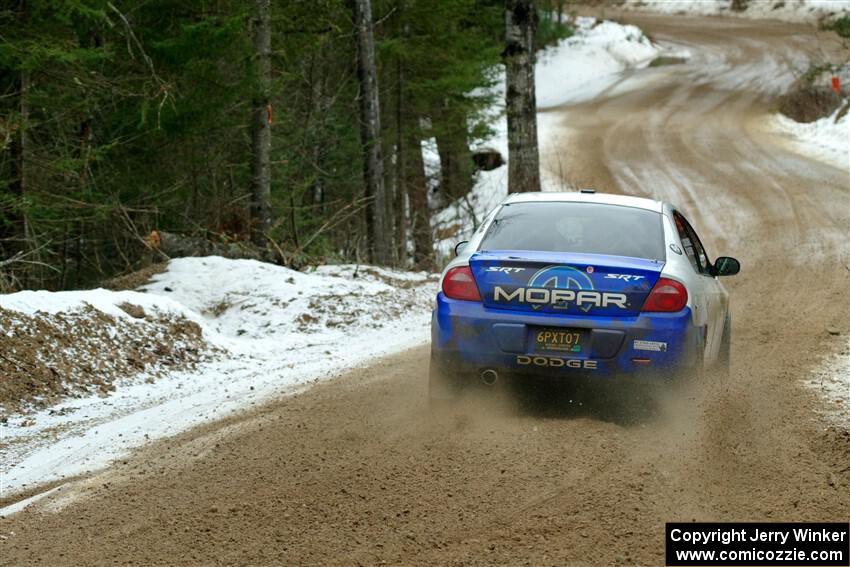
[[460, 246], [726, 266]]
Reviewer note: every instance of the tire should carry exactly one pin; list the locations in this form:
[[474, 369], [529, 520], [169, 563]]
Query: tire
[[693, 369], [443, 389], [724, 356]]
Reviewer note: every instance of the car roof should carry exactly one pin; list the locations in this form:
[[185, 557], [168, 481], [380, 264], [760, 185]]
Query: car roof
[[586, 197]]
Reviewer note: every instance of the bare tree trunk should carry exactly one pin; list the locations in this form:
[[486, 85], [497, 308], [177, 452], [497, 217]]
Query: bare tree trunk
[[321, 104], [24, 142], [455, 159], [520, 101], [22, 185], [370, 131], [420, 215], [261, 134], [12, 232], [401, 204], [402, 200], [20, 147]]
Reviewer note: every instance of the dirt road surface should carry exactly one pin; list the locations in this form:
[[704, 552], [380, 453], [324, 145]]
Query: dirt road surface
[[358, 471]]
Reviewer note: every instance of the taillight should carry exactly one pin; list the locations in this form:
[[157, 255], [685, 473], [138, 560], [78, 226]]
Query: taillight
[[667, 296], [459, 284]]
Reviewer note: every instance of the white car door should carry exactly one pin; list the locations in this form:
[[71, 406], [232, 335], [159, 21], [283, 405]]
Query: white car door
[[714, 297]]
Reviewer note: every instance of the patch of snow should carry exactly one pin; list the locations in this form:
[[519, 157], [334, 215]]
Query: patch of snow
[[826, 139], [809, 11], [106, 301], [7, 511], [281, 330], [597, 51], [249, 303]]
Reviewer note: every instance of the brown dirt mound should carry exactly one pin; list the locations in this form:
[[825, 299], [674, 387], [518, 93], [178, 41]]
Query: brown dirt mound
[[45, 357], [809, 103]]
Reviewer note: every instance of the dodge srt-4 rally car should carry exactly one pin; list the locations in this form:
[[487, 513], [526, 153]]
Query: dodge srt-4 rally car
[[580, 286]]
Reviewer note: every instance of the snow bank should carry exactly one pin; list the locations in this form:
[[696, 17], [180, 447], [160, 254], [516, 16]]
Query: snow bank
[[577, 68], [786, 10], [276, 331], [56, 345], [826, 140], [597, 51], [252, 306], [32, 302]]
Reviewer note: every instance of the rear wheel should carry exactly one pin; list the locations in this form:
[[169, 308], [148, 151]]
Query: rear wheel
[[724, 356], [443, 387], [692, 370]]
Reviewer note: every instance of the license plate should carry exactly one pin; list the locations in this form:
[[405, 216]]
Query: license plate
[[558, 339]]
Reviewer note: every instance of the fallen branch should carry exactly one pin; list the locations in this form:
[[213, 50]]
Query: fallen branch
[[163, 86], [178, 246], [338, 217], [21, 257], [16, 363]]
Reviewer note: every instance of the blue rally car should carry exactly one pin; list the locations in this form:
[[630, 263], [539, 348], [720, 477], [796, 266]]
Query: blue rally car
[[580, 286]]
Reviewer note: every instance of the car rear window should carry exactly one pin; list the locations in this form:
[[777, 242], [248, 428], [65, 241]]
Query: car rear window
[[588, 228]]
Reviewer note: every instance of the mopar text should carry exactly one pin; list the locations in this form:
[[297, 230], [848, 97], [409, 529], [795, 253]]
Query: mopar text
[[559, 298]]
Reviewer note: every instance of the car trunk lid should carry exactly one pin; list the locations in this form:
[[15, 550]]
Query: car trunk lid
[[564, 283]]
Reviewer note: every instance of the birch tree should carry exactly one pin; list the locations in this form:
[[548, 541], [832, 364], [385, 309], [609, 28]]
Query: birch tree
[[520, 100]]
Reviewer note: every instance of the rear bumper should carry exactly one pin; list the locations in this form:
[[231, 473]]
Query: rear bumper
[[467, 337]]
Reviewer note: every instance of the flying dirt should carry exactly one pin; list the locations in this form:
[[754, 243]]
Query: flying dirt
[[360, 471]]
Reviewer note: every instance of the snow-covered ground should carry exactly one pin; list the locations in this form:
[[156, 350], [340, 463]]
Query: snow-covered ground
[[577, 68], [279, 330], [786, 10], [580, 66], [827, 139]]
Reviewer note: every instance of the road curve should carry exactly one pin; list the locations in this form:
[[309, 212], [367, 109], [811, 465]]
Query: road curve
[[358, 471]]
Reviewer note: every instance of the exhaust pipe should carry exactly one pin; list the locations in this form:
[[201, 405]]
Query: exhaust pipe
[[489, 376]]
